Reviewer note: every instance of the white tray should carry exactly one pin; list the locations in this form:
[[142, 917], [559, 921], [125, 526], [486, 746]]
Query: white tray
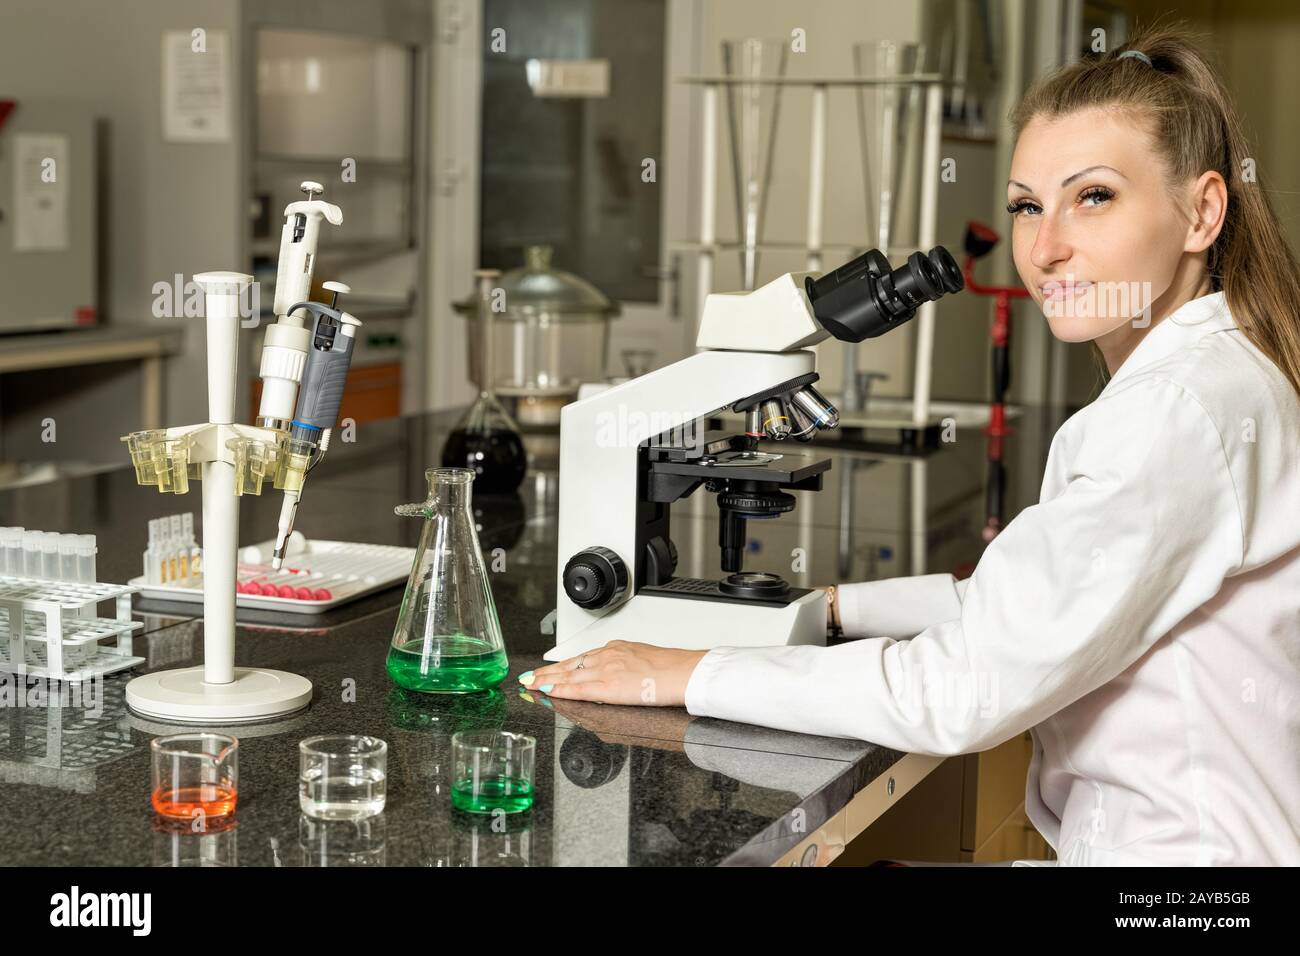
[[349, 570]]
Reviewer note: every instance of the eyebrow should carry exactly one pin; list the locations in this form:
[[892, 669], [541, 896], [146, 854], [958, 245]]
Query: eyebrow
[[1069, 179]]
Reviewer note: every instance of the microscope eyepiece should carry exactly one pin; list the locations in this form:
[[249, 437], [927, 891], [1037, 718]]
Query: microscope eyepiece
[[948, 270], [865, 297]]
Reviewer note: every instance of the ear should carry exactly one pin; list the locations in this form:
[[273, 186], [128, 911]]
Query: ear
[[1209, 210]]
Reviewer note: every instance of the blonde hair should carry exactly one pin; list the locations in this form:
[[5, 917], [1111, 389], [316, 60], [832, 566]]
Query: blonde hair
[[1195, 129]]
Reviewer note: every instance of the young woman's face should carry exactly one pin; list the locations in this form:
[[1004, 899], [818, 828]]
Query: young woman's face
[[1095, 236]]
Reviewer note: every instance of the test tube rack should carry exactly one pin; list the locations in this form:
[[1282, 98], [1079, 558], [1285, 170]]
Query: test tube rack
[[34, 609]]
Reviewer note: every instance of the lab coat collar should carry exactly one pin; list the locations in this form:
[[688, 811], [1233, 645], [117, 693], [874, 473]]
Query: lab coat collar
[[1178, 330]]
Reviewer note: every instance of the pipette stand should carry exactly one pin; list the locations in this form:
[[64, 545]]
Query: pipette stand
[[219, 693]]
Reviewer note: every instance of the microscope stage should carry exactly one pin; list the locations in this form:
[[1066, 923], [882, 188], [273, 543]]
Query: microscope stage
[[789, 469], [701, 589]]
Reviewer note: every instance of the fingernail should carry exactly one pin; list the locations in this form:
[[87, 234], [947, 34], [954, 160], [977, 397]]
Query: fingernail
[[526, 678], [527, 696], [546, 688]]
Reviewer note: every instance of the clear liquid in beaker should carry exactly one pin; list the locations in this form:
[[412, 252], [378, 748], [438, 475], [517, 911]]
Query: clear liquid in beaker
[[347, 796]]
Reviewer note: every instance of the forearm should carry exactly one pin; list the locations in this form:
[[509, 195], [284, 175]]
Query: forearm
[[895, 607]]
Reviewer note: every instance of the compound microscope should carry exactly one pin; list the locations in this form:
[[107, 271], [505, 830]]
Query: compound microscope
[[629, 452]]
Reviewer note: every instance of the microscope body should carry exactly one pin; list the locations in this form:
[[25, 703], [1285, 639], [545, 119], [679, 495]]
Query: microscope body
[[628, 452]]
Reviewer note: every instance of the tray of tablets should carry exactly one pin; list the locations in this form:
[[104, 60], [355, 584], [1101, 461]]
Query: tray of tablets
[[317, 576]]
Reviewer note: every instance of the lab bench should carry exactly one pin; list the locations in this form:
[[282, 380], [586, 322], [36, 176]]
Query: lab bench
[[615, 785], [110, 343]]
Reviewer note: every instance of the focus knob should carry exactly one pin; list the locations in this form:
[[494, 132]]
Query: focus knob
[[595, 578]]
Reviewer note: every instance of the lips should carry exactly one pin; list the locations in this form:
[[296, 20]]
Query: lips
[[1063, 289]]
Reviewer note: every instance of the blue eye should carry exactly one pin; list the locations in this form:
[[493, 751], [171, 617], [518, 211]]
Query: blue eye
[[1015, 207]]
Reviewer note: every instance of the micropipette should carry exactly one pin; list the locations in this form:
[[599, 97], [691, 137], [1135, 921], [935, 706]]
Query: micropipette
[[287, 342], [328, 357]]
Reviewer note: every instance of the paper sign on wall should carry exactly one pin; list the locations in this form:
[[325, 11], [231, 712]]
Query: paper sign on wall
[[568, 78], [196, 86], [41, 172]]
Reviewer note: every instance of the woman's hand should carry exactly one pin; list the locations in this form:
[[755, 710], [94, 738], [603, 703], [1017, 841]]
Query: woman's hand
[[621, 672]]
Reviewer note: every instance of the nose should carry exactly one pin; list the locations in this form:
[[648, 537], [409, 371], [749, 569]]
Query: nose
[[1050, 246]]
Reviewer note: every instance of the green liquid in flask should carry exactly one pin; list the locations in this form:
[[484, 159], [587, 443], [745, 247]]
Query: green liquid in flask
[[511, 794], [454, 664]]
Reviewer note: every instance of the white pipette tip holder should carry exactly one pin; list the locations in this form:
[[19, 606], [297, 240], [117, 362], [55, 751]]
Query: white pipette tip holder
[[218, 692]]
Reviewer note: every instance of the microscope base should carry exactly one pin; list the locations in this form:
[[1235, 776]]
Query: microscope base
[[181, 696], [700, 625]]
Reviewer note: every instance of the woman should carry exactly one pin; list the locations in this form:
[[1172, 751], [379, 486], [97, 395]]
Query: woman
[[1143, 619]]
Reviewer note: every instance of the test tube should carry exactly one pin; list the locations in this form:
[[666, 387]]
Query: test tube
[[179, 555], [32, 553], [13, 551], [152, 566], [192, 546], [50, 555], [68, 557], [86, 552]]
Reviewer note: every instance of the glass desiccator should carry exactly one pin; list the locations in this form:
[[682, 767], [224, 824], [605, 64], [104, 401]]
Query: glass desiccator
[[448, 636]]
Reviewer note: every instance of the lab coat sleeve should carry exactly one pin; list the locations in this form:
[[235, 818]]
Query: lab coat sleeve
[[898, 607], [1144, 530]]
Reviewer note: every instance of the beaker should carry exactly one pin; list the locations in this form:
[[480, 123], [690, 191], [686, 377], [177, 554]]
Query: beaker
[[448, 637], [492, 771], [342, 776], [195, 775]]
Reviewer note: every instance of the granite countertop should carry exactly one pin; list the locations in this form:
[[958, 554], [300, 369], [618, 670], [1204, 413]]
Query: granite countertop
[[615, 785]]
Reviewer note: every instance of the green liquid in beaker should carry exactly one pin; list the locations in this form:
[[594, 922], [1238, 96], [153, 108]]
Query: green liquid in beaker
[[511, 794], [453, 664]]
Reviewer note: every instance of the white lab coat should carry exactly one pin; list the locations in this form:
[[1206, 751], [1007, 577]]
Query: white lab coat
[[1143, 620]]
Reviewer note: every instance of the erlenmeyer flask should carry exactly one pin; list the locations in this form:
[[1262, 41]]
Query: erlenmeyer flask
[[448, 637], [487, 440]]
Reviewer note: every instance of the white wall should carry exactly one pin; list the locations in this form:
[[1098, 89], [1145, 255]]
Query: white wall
[[166, 208]]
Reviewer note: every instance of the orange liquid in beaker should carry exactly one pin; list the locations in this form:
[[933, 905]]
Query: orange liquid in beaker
[[209, 800]]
